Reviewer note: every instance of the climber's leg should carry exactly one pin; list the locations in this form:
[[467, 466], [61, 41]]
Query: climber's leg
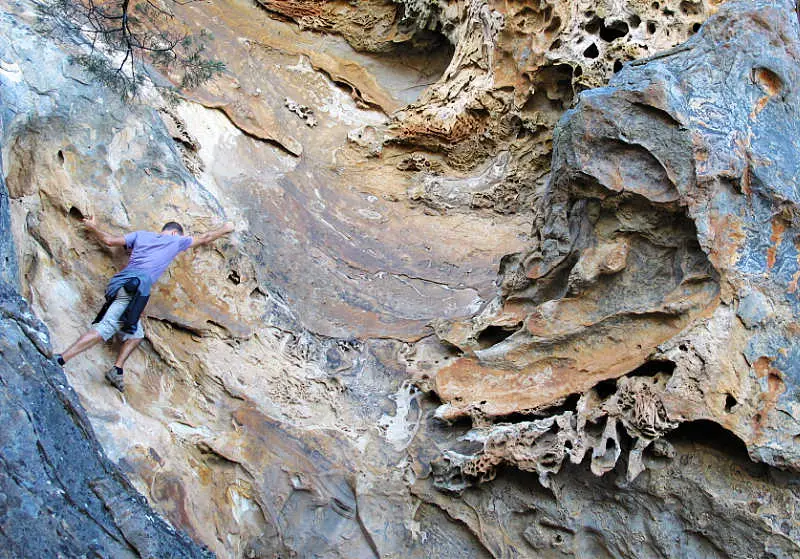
[[89, 339], [127, 348]]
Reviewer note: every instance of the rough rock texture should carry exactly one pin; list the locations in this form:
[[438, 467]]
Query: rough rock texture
[[283, 402], [667, 242], [701, 496], [60, 496], [514, 67], [237, 360]]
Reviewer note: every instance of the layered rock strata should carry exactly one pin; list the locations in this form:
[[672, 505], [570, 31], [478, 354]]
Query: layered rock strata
[[511, 70], [275, 408]]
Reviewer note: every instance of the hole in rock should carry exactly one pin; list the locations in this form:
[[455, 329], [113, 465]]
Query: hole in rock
[[452, 350], [527, 17], [769, 81], [690, 8], [651, 27], [593, 25], [492, 335], [710, 434], [667, 12], [75, 213], [516, 417], [567, 404], [431, 397], [652, 368], [234, 277], [656, 459], [617, 66], [595, 429], [591, 51], [730, 401], [555, 44], [554, 25], [552, 88], [550, 460], [614, 30], [257, 293], [696, 27], [656, 5], [460, 423], [60, 155], [606, 388], [635, 20]]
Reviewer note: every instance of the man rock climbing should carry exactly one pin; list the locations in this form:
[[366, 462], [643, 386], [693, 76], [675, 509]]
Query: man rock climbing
[[128, 291]]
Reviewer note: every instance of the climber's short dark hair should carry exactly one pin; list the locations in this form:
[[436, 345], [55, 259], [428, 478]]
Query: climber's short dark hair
[[172, 226]]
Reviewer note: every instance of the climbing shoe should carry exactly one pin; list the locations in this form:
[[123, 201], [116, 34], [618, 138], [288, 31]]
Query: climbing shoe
[[114, 377]]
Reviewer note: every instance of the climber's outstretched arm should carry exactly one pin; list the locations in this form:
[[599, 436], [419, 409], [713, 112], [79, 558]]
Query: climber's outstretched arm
[[105, 238], [211, 236]]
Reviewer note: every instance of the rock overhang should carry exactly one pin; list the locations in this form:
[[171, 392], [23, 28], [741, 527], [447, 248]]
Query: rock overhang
[[687, 135], [204, 372]]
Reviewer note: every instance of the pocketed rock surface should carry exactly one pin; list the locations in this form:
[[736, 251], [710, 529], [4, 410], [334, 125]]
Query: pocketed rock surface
[[508, 280]]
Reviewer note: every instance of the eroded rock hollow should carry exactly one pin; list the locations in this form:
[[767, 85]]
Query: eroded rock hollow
[[508, 279]]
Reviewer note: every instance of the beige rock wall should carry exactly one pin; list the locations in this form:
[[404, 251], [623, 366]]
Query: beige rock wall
[[380, 161]]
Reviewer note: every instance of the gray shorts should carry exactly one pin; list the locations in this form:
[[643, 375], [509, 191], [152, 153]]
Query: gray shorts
[[111, 323]]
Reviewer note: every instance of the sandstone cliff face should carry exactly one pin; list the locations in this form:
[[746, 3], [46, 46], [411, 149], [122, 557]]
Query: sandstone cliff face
[[382, 162], [60, 496], [663, 241]]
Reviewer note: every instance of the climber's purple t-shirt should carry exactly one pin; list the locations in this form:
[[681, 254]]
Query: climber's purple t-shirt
[[153, 252]]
